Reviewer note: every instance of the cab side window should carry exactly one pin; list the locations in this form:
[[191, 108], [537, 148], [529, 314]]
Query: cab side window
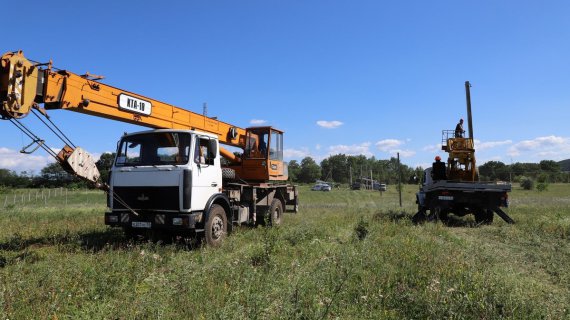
[[203, 153]]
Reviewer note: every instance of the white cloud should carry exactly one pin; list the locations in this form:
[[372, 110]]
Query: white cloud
[[387, 145], [351, 150], [257, 121], [479, 145], [16, 161], [318, 147], [432, 148], [551, 147], [329, 124], [404, 153], [391, 146], [296, 153]]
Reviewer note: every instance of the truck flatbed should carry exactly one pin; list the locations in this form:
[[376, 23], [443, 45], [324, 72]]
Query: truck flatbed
[[467, 186]]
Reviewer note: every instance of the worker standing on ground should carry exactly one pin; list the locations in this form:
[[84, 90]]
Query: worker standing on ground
[[438, 170], [459, 129]]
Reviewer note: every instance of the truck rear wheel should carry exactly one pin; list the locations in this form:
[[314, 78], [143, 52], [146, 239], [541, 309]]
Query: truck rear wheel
[[275, 212], [484, 216], [216, 227]]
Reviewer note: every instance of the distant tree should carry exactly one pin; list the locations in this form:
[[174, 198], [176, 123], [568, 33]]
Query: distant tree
[[294, 170], [310, 170], [104, 165], [549, 166], [53, 175], [335, 168], [494, 170]]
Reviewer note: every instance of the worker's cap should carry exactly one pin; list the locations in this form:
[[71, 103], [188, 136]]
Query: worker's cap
[[437, 158]]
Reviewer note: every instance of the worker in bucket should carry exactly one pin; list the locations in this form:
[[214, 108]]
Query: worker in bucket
[[459, 129]]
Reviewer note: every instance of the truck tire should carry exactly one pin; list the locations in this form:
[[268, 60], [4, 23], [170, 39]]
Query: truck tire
[[216, 228], [484, 216], [275, 212], [228, 173], [296, 207], [434, 213]]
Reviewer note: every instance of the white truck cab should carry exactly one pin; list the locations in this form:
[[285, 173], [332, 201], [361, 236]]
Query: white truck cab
[[171, 180]]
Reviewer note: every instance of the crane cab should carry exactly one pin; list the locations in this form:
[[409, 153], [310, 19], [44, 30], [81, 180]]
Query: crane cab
[[262, 158]]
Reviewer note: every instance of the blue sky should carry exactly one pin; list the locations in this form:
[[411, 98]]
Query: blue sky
[[352, 77]]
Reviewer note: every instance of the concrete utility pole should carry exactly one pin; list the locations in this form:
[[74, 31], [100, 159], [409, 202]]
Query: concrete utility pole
[[399, 180]]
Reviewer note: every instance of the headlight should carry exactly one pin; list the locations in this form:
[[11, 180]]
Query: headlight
[[113, 219], [177, 221]]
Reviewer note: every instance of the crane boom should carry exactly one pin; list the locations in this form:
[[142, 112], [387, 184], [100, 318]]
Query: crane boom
[[25, 84]]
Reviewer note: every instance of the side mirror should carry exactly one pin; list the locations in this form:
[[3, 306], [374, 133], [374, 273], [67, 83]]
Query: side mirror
[[212, 149]]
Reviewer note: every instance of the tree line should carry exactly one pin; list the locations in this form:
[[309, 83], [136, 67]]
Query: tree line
[[341, 168], [53, 176], [338, 168], [546, 171]]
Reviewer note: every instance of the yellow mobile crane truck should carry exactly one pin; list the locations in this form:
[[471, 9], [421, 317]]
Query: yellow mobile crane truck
[[169, 179]]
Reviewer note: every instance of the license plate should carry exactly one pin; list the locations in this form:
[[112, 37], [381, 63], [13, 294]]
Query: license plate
[[448, 198], [141, 224]]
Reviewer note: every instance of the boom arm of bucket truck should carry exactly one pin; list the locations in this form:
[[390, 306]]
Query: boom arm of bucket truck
[[26, 85]]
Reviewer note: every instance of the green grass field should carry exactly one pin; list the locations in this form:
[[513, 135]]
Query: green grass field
[[345, 255]]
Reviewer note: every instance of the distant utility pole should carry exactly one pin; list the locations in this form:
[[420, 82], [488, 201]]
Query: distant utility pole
[[205, 109], [350, 170], [399, 180]]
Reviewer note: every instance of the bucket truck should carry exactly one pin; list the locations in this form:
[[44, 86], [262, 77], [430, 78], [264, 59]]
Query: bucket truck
[[454, 187]]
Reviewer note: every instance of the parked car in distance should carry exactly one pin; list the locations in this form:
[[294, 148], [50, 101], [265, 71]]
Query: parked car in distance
[[321, 187], [380, 186]]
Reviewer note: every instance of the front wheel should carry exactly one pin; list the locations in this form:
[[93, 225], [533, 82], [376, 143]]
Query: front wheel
[[216, 228]]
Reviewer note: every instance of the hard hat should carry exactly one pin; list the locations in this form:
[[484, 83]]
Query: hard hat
[[461, 119], [437, 158]]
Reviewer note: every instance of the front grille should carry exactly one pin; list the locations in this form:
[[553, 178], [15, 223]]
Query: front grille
[[147, 198]]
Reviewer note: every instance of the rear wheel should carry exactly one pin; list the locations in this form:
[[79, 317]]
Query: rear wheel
[[434, 213], [484, 216], [216, 228], [276, 212]]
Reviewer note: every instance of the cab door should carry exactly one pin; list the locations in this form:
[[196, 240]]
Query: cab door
[[206, 173], [276, 167]]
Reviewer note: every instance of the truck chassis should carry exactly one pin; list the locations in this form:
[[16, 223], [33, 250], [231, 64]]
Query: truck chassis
[[440, 198], [237, 204]]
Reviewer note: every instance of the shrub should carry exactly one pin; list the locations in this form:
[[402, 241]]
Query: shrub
[[542, 186], [361, 229], [527, 183]]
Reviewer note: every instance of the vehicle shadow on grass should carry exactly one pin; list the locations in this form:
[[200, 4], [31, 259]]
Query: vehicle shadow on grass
[[403, 216], [93, 241]]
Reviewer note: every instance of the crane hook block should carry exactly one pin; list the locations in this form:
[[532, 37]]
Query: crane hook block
[[79, 162]]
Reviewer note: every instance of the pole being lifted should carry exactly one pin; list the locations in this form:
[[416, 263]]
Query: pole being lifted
[[468, 98]]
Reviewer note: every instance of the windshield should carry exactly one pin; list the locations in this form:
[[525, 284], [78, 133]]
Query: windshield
[[154, 148]]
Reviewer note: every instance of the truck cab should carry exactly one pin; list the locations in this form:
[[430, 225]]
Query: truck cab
[[163, 179], [171, 181]]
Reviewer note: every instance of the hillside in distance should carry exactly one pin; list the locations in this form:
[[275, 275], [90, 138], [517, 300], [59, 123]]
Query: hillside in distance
[[564, 165]]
